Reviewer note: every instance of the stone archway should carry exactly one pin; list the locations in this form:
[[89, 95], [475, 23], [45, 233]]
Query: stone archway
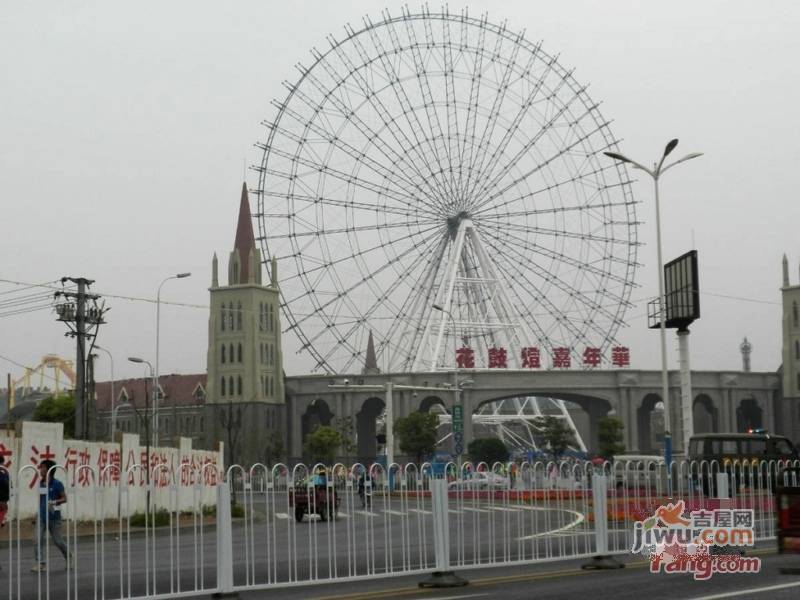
[[429, 402], [366, 429], [650, 436], [318, 413], [705, 415], [749, 415]]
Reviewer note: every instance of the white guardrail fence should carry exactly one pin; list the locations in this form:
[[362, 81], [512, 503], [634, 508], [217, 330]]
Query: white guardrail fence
[[283, 526]]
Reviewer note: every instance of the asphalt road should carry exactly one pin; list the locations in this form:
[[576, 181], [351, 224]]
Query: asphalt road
[[393, 534], [566, 580]]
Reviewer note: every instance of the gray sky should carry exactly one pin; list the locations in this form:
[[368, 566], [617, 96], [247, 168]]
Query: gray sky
[[124, 128]]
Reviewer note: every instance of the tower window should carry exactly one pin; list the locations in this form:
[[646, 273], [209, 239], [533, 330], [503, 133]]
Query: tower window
[[222, 388], [272, 318], [261, 316], [797, 349], [230, 385], [794, 312], [223, 354], [239, 355], [239, 387], [223, 317], [230, 315], [239, 317], [231, 354]]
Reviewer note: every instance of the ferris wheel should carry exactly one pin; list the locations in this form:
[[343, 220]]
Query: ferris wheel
[[437, 180]]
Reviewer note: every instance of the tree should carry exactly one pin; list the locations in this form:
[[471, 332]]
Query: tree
[[488, 450], [610, 437], [274, 448], [322, 444], [417, 434], [347, 430], [558, 436], [57, 409]]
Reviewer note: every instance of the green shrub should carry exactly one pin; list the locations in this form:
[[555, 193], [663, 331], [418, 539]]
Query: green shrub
[[159, 518]]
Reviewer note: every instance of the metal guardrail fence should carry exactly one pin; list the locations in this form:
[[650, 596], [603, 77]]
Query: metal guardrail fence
[[283, 526]]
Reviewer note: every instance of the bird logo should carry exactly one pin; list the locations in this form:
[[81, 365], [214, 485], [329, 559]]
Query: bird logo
[[671, 514]]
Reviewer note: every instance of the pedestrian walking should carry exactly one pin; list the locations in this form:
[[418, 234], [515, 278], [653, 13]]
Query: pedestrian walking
[[5, 490], [51, 497]]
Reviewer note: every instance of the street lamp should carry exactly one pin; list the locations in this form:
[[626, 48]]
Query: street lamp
[[158, 331], [656, 172], [113, 397], [136, 359], [457, 390]]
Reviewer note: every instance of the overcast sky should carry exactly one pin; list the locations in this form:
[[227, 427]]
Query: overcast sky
[[124, 127]]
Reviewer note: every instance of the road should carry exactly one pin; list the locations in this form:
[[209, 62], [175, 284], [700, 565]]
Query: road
[[394, 534], [566, 580]]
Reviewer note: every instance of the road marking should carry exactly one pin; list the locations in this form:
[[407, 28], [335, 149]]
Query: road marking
[[747, 592], [281, 516], [505, 509], [343, 514], [420, 511], [394, 512], [579, 518], [478, 510], [366, 513]]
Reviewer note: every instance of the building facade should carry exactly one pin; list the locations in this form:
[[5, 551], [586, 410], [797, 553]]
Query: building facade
[[245, 405], [790, 369]]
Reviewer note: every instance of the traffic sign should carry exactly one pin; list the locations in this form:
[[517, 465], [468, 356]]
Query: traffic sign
[[459, 449], [458, 418], [458, 437]]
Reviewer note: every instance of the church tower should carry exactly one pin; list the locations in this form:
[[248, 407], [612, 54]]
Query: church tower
[[790, 295], [245, 405]]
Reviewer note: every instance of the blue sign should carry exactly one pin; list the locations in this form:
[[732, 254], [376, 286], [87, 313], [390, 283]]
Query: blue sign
[[459, 449]]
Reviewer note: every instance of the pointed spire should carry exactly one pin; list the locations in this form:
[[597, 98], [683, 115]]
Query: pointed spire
[[785, 271], [273, 272], [245, 240], [371, 362], [215, 271]]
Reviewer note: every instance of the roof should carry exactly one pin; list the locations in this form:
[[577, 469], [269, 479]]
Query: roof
[[245, 240], [177, 390]]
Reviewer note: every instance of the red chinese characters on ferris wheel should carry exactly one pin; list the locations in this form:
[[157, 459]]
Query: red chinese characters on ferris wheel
[[531, 358], [465, 358], [592, 357], [621, 356], [561, 358], [498, 358]]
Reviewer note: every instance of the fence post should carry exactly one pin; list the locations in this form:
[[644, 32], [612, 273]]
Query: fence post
[[602, 559], [224, 543], [442, 577]]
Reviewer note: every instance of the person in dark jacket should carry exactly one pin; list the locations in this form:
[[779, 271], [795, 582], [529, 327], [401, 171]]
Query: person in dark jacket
[[5, 490]]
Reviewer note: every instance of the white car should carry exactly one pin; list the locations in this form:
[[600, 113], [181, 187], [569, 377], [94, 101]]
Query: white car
[[480, 481]]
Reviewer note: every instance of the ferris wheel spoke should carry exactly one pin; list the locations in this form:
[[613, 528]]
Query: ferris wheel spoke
[[590, 303], [408, 109], [452, 113], [510, 164], [395, 157], [431, 113], [494, 112], [544, 163], [505, 224], [349, 204], [587, 266], [347, 178], [364, 278], [316, 232], [561, 320], [472, 106], [586, 205], [485, 168], [384, 299], [383, 113], [512, 272], [388, 172]]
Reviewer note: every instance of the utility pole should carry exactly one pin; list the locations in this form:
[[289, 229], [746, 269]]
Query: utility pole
[[83, 316]]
